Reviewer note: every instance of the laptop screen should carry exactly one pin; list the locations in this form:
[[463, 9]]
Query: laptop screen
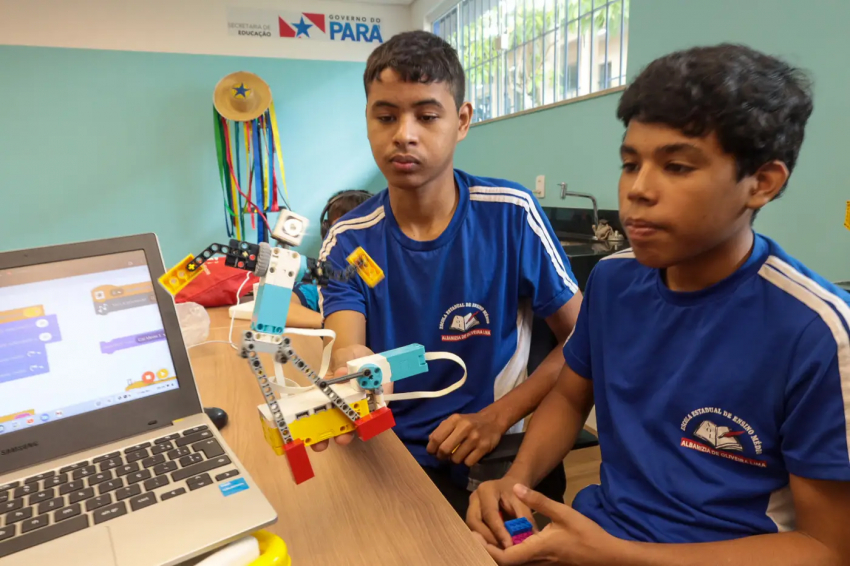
[[77, 336]]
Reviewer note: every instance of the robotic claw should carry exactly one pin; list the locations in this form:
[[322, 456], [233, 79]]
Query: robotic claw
[[330, 407]]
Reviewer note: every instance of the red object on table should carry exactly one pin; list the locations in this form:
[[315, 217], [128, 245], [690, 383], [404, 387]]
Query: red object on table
[[217, 286]]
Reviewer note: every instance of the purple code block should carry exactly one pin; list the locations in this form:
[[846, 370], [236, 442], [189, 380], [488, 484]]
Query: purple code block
[[518, 538], [43, 328], [18, 364], [22, 346], [132, 341]]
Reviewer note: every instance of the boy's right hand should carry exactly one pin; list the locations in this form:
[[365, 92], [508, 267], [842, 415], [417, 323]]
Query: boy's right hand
[[485, 503], [341, 357], [339, 360]]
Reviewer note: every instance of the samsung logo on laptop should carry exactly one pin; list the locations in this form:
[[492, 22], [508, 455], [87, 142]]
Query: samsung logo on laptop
[[7, 451]]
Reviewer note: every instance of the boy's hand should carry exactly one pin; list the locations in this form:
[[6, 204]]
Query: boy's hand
[[339, 360], [341, 357], [483, 515], [570, 539], [466, 438]]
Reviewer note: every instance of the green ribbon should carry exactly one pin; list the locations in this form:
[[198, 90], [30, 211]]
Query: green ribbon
[[222, 170]]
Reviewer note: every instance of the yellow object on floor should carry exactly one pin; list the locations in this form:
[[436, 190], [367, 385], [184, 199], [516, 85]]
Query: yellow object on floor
[[257, 549], [273, 549]]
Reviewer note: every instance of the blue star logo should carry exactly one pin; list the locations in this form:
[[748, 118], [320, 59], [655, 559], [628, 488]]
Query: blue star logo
[[302, 28], [241, 90]]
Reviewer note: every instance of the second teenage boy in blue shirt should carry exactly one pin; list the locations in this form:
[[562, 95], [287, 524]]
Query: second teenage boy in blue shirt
[[467, 261], [719, 365]]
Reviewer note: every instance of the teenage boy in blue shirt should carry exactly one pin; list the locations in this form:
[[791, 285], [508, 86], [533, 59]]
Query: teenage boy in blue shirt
[[719, 365], [467, 260]]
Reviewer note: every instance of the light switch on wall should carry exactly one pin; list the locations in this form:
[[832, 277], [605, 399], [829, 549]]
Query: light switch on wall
[[540, 186]]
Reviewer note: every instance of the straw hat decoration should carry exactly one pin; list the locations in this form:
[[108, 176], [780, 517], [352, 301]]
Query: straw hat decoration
[[248, 150], [242, 96]]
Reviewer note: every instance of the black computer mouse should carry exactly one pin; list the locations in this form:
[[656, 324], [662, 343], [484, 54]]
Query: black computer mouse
[[217, 416]]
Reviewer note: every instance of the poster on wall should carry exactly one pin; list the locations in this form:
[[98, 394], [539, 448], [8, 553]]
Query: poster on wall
[[320, 26]]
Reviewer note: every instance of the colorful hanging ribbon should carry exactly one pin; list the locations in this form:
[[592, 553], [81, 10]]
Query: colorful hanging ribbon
[[260, 156], [276, 138]]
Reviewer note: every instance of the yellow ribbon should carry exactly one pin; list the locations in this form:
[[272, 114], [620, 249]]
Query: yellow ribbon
[[847, 216], [278, 149], [233, 184]]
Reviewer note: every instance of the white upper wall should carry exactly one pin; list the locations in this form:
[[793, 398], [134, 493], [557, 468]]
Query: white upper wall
[[202, 26]]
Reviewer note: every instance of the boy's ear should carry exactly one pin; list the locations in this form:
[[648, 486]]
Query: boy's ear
[[465, 115], [766, 183]]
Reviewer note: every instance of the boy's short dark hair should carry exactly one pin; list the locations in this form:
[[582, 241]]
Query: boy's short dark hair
[[340, 204], [756, 104], [418, 57], [343, 202]]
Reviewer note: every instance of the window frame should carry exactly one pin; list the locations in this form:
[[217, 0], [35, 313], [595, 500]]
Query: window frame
[[495, 54]]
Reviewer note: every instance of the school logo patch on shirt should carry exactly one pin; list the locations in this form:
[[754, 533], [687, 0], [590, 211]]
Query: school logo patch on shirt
[[464, 320], [713, 431]]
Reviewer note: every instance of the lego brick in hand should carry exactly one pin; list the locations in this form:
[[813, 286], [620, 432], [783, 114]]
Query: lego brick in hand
[[519, 529]]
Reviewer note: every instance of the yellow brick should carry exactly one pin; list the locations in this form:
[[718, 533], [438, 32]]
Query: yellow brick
[[314, 428], [326, 424], [366, 267], [176, 278], [272, 435]]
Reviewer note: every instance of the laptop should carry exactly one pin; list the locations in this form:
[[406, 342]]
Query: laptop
[[106, 455]]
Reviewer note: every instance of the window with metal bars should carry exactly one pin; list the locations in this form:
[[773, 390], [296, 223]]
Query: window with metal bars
[[522, 54]]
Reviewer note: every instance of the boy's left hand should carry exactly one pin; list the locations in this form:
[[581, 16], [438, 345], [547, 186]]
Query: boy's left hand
[[571, 538], [466, 438]]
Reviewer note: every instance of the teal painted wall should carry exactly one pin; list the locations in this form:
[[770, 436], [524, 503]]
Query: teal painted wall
[[570, 143], [577, 143], [97, 144]]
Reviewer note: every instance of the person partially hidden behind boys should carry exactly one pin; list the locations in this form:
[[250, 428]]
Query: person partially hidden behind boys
[[304, 304], [719, 365], [466, 261]]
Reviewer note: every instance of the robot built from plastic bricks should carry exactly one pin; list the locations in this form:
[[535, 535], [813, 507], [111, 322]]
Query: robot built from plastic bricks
[[302, 416]]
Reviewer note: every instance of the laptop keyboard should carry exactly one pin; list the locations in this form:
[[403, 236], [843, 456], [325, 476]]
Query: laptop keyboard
[[45, 507]]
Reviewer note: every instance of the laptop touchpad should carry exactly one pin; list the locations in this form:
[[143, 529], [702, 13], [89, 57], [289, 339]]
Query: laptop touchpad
[[91, 547]]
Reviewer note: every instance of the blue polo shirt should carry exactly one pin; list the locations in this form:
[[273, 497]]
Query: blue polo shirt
[[707, 401], [308, 294], [471, 291]]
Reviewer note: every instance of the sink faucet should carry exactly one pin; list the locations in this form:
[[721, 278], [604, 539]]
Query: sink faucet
[[565, 193]]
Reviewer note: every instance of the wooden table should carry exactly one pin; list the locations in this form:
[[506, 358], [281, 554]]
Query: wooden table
[[370, 502]]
